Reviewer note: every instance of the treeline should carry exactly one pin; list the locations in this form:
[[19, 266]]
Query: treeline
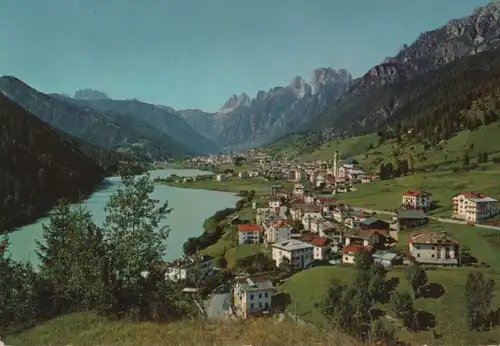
[[111, 269], [37, 167], [213, 230]]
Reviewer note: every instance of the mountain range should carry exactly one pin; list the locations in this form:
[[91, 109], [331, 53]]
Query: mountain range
[[129, 126], [331, 102]]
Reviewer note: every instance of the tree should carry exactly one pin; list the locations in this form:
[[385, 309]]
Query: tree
[[417, 278], [73, 256], [363, 260], [134, 228], [402, 304], [478, 295], [466, 159]]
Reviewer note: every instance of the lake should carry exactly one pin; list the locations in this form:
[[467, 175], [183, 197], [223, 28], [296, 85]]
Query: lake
[[190, 208]]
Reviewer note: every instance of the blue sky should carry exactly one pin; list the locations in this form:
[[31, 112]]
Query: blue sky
[[197, 53]]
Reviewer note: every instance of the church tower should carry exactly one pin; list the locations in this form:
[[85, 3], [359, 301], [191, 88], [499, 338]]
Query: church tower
[[335, 158]]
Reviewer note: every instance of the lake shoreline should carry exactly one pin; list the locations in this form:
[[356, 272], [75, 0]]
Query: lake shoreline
[[190, 209]]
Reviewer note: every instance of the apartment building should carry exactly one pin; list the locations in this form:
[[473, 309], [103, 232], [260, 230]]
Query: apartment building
[[417, 199], [248, 234], [252, 296], [190, 269], [299, 253], [277, 231], [433, 248], [473, 207]]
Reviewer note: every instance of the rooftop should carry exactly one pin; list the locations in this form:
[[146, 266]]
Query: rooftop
[[430, 238], [290, 245], [411, 214], [255, 283], [248, 227], [415, 193]]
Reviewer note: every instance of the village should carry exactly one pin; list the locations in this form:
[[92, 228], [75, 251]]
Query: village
[[305, 224]]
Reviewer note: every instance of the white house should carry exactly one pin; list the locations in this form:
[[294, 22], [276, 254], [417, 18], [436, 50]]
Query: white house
[[190, 268], [277, 231], [248, 234], [433, 248], [417, 199], [252, 296], [299, 253], [474, 206], [321, 247], [221, 177], [274, 202]]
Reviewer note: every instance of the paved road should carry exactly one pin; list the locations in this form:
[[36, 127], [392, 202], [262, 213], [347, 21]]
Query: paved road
[[218, 306]]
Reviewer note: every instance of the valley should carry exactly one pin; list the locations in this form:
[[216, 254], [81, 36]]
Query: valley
[[350, 207]]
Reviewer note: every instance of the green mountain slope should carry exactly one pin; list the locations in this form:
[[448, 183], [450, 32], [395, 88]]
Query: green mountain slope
[[109, 130], [38, 166]]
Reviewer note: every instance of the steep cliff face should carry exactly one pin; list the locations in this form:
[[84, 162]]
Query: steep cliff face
[[432, 50], [243, 122]]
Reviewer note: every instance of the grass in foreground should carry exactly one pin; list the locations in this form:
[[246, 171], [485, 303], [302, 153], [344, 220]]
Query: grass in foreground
[[309, 288], [86, 329], [387, 194]]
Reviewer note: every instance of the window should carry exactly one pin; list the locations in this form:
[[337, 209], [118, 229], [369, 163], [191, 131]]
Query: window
[[260, 295], [418, 255], [266, 295], [432, 256], [251, 306], [260, 305], [251, 297]]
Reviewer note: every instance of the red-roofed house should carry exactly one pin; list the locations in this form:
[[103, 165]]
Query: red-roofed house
[[349, 252], [473, 206], [417, 199], [321, 247], [248, 234]]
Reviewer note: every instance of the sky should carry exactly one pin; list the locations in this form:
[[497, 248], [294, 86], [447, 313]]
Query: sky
[[197, 53]]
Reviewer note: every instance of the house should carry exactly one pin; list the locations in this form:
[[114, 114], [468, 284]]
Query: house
[[473, 207], [274, 202], [433, 248], [354, 221], [365, 237], [243, 175], [299, 175], [221, 177], [190, 268], [417, 199], [374, 223], [252, 296], [386, 259], [341, 213], [309, 199], [299, 253], [276, 190], [349, 252], [238, 219], [410, 218], [248, 234], [321, 247], [298, 189], [277, 231]]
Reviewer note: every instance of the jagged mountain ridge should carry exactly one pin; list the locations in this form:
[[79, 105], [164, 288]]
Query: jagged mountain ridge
[[243, 122], [462, 37]]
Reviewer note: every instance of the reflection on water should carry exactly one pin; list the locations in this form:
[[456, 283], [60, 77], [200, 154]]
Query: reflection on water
[[190, 208]]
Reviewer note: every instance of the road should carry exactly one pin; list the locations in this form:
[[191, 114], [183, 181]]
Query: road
[[218, 306], [438, 219]]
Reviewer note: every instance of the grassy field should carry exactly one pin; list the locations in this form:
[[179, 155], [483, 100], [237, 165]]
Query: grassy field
[[233, 184], [86, 329], [230, 237], [243, 251], [308, 288], [387, 194]]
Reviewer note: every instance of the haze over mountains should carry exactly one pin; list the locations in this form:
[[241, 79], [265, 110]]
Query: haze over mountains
[[331, 101]]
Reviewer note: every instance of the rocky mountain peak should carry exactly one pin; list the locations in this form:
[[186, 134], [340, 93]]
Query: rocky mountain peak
[[90, 95], [300, 87], [326, 75], [234, 102]]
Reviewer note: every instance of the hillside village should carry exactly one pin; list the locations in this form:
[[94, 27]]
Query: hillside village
[[307, 225]]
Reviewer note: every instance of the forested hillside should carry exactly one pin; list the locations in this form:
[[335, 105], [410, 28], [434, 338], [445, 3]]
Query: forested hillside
[[38, 166], [106, 129], [431, 105]]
